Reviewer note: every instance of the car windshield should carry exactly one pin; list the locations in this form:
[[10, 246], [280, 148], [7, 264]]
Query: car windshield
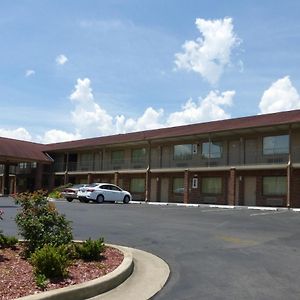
[[77, 186], [93, 184]]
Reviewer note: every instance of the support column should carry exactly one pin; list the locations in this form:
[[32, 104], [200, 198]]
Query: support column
[[231, 187], [116, 178], [147, 185], [289, 170], [90, 178], [15, 184], [38, 177], [51, 182], [6, 182], [186, 185], [288, 192], [66, 178]]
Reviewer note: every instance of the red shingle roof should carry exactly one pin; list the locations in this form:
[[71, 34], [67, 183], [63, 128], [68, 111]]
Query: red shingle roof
[[16, 150], [280, 118]]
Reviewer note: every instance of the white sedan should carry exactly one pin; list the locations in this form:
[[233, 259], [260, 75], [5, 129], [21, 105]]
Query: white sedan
[[100, 192]]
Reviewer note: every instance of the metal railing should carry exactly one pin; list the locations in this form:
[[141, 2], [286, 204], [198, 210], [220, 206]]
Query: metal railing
[[86, 166], [247, 159]]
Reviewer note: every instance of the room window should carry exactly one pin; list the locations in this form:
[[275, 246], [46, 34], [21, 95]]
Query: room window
[[137, 185], [212, 185], [178, 185], [183, 152], [274, 185], [117, 156], [212, 150], [138, 155], [86, 159], [276, 144], [23, 165]]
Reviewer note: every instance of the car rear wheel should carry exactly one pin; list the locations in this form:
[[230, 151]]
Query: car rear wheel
[[69, 199], [126, 199], [100, 199]]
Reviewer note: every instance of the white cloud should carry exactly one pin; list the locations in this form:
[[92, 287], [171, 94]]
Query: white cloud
[[209, 55], [55, 136], [88, 117], [19, 134], [150, 119], [61, 59], [29, 73], [207, 109], [280, 96]]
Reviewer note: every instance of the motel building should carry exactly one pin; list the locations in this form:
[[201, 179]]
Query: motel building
[[244, 161]]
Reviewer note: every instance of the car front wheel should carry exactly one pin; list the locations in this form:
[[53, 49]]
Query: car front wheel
[[100, 199], [69, 199], [126, 199]]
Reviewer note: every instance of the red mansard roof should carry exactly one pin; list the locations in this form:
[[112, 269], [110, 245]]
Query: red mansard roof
[[287, 117], [17, 151]]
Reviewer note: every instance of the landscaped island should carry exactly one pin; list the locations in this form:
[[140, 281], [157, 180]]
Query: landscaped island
[[48, 258]]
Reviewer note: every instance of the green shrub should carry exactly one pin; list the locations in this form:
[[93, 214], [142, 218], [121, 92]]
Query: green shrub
[[55, 194], [7, 241], [41, 281], [50, 261], [39, 222], [91, 249]]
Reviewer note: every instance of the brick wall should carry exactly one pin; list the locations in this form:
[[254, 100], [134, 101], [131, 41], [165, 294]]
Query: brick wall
[[295, 188]]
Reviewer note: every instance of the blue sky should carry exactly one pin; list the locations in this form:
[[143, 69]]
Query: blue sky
[[77, 69]]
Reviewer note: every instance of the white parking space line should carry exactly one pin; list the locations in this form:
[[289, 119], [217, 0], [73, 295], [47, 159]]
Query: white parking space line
[[220, 209], [268, 213]]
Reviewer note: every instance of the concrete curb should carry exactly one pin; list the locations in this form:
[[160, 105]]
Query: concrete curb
[[150, 275], [264, 208], [93, 287]]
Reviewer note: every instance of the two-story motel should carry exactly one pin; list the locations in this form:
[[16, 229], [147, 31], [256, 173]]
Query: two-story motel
[[244, 161]]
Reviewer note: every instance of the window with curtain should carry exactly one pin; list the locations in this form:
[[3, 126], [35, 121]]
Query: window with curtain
[[212, 149], [178, 185], [212, 185], [117, 156], [276, 144], [274, 185], [138, 155], [137, 185], [183, 152]]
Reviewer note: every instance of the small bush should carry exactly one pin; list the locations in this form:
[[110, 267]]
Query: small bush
[[40, 223], [41, 281], [50, 261], [7, 241], [91, 249], [55, 194]]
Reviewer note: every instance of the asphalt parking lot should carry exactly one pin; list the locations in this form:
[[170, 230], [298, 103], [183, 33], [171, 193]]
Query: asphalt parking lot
[[213, 253]]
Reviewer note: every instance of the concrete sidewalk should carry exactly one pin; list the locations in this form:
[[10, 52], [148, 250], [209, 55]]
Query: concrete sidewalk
[[224, 206], [149, 276]]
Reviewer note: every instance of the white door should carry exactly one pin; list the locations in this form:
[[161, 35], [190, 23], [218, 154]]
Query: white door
[[106, 192], [153, 190], [116, 194], [164, 190], [249, 191], [237, 191]]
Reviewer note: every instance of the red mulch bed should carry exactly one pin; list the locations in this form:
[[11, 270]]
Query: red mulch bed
[[17, 278]]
